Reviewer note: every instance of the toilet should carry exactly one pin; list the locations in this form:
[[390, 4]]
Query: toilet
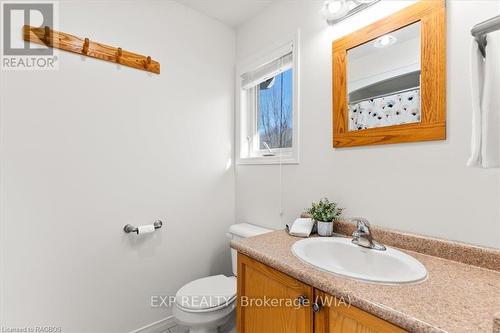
[[207, 305]]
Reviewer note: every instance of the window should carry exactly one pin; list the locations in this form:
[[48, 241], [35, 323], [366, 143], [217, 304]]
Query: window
[[274, 112], [268, 111]]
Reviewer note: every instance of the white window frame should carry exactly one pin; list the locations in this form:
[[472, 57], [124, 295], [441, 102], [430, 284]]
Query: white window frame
[[247, 139]]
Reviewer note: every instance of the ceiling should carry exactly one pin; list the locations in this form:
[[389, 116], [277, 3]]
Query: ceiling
[[229, 12]]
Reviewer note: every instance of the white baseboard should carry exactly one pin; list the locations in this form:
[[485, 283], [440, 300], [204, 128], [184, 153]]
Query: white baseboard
[[158, 326]]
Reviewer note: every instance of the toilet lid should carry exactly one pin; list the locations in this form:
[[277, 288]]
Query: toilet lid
[[208, 292]]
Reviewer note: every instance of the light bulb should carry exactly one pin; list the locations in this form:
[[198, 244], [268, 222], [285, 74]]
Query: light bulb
[[385, 41], [334, 9]]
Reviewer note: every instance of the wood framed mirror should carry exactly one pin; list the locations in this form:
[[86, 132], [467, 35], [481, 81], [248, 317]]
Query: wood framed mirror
[[389, 79]]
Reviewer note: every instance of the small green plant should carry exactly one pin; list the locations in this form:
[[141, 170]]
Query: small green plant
[[325, 211]]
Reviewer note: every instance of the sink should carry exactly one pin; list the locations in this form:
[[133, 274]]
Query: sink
[[339, 256]]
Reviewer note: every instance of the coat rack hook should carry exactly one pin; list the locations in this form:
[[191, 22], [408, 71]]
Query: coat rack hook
[[46, 35], [118, 54], [147, 62], [86, 44]]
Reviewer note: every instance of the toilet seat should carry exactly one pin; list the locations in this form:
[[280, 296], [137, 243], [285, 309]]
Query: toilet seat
[[207, 294]]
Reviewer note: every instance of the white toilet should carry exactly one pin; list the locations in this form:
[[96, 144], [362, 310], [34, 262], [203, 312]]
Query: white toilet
[[208, 304]]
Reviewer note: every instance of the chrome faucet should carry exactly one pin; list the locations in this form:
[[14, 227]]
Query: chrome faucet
[[363, 236]]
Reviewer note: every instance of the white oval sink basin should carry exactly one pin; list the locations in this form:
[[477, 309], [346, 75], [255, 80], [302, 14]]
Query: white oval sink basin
[[339, 256]]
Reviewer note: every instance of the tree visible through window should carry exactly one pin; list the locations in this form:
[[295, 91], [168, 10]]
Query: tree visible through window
[[275, 111]]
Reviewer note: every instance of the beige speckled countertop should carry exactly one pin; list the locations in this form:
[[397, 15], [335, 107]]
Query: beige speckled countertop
[[456, 297]]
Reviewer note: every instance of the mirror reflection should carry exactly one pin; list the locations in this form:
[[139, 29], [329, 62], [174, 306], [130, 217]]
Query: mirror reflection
[[383, 85]]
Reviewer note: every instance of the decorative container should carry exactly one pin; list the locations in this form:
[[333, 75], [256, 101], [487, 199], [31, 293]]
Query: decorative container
[[325, 229]]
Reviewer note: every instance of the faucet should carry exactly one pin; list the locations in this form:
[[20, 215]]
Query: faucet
[[363, 236]]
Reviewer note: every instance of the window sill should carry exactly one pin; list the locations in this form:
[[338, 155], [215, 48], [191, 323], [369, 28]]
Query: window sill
[[267, 160]]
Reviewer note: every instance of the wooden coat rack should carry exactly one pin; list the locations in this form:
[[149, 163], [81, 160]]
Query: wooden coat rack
[[67, 42]]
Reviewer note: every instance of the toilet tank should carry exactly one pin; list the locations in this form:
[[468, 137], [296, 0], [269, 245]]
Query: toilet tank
[[243, 230]]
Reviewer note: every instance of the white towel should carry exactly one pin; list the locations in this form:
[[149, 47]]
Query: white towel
[[302, 227], [477, 82], [490, 145], [485, 141]]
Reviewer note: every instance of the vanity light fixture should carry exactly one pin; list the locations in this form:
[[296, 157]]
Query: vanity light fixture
[[385, 41], [334, 11]]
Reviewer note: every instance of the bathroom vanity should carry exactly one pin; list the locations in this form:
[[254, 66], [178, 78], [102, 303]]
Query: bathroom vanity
[[460, 293], [311, 309]]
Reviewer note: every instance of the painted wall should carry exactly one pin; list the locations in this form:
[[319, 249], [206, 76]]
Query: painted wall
[[419, 187], [92, 147]]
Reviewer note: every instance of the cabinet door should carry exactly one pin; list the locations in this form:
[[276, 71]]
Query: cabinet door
[[336, 317], [258, 283]]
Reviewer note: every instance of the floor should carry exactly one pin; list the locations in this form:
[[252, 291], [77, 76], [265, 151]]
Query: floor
[[229, 327], [175, 329]]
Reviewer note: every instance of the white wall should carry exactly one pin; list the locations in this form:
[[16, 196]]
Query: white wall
[[419, 187], [93, 146]]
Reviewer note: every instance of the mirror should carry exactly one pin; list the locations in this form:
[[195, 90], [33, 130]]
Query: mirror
[[383, 80], [389, 79]]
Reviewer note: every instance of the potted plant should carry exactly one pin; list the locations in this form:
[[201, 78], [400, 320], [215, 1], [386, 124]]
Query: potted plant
[[325, 213]]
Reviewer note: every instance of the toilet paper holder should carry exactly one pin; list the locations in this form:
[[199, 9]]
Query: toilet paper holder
[[130, 228]]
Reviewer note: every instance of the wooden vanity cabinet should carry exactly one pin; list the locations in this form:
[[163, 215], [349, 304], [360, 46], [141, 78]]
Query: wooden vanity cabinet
[[259, 285], [336, 317]]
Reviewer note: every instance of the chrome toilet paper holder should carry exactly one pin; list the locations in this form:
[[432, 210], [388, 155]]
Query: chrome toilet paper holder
[[130, 228]]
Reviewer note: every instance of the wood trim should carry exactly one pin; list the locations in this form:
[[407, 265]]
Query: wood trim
[[240, 288], [340, 87], [391, 134], [432, 15], [86, 47]]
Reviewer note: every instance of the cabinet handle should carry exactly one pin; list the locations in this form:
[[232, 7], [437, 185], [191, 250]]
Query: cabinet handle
[[316, 307], [303, 300]]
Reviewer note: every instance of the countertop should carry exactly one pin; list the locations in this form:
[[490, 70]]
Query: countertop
[[456, 297]]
